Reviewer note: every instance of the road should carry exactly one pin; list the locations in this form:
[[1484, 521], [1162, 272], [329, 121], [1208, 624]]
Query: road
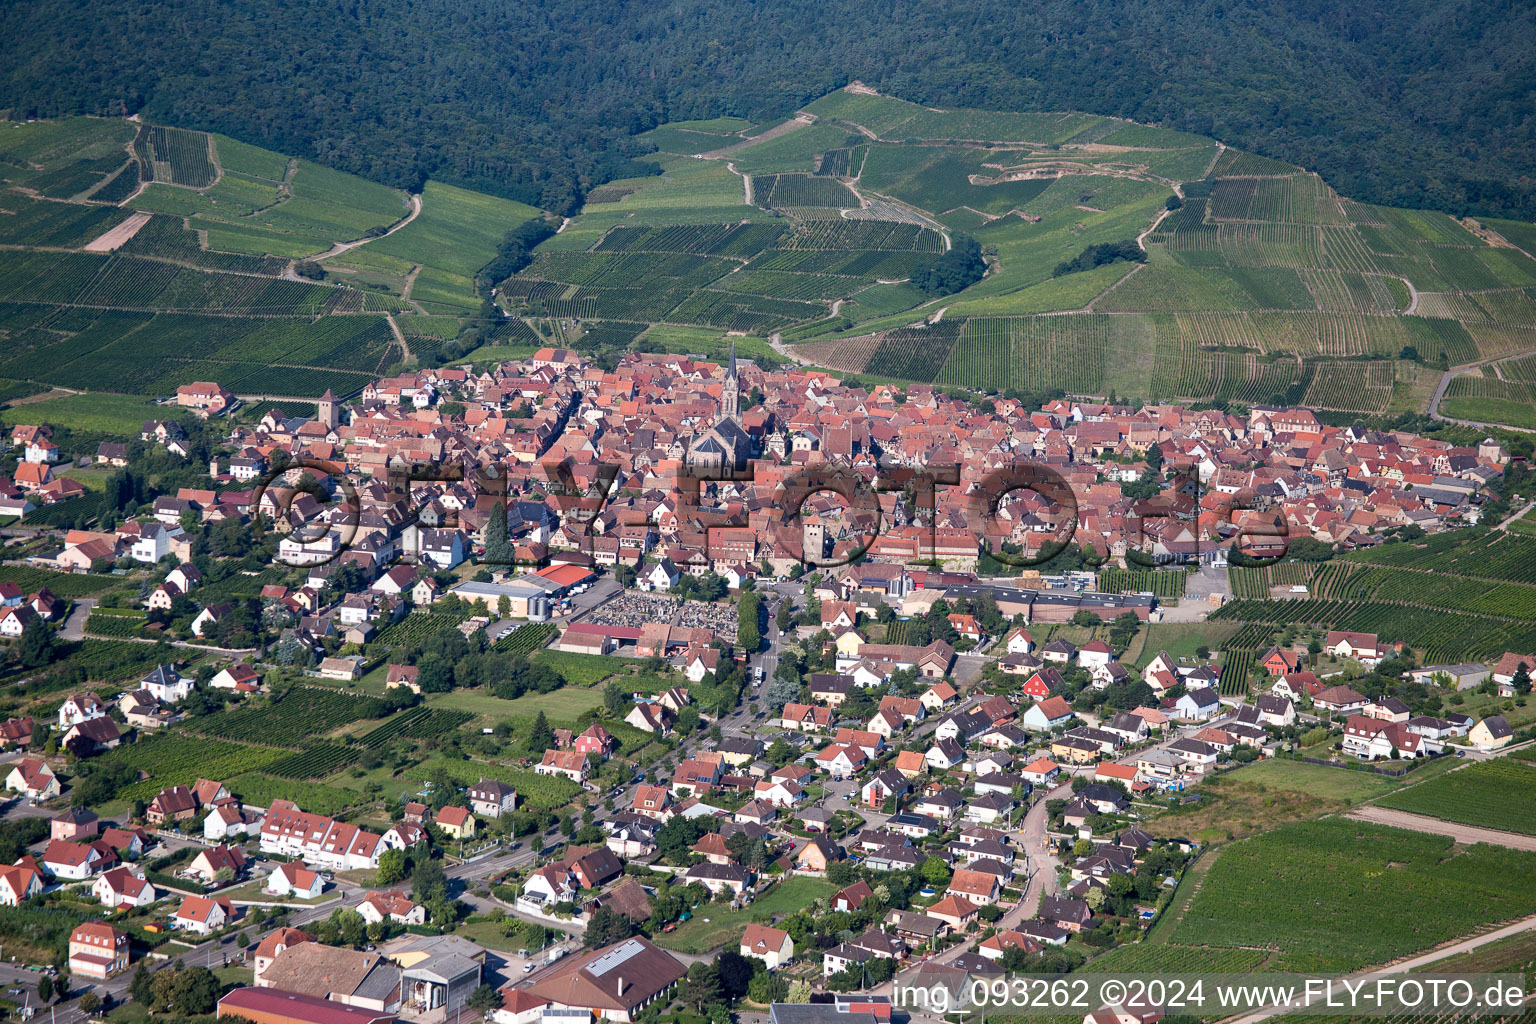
[[1424, 823], [74, 626], [1456, 371]]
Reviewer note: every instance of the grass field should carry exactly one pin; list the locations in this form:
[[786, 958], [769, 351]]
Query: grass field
[[1490, 794], [1181, 639], [563, 704], [99, 413], [722, 926], [1342, 895]]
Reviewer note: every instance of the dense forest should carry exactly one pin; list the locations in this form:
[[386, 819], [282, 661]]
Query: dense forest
[[1407, 102]]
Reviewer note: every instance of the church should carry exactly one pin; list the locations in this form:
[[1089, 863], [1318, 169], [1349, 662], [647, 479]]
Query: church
[[725, 446]]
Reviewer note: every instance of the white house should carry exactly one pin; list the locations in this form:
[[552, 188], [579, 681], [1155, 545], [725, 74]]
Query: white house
[[770, 945], [1197, 705], [295, 880], [201, 915], [122, 888], [80, 708], [166, 685], [393, 906]]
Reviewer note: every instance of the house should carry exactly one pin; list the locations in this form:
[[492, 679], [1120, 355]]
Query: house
[[1278, 662], [491, 798], [405, 676], [230, 821], [74, 823], [97, 950], [1275, 710], [166, 685], [911, 763], [92, 735], [79, 708], [214, 861], [173, 804], [841, 957], [650, 717], [457, 822], [318, 840], [392, 906], [718, 878], [1295, 686], [1197, 705], [944, 755], [851, 898], [806, 717], [1044, 683], [955, 911], [1095, 654], [614, 983], [1018, 641], [841, 759], [18, 882], [34, 779], [75, 862], [238, 676], [1362, 647], [1387, 709], [1045, 715], [294, 880], [977, 886], [1505, 670], [16, 733], [817, 854], [568, 763], [653, 802], [1371, 738], [201, 915], [770, 945], [1041, 772], [595, 740], [1458, 677], [1491, 733], [275, 1006], [1339, 700]]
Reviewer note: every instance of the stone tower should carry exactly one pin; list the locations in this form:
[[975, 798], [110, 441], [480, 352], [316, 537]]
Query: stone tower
[[730, 391], [326, 410]]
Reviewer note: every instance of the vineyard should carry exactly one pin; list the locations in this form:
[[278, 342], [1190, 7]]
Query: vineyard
[[526, 639], [418, 723], [103, 623], [1443, 636], [416, 627], [1236, 668], [1350, 894], [314, 762], [1478, 794], [60, 584], [1165, 584], [174, 155], [174, 759], [1255, 584], [289, 719], [1344, 582], [1476, 553]]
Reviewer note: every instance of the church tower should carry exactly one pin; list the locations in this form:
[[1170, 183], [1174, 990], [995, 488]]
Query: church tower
[[326, 410], [730, 391]]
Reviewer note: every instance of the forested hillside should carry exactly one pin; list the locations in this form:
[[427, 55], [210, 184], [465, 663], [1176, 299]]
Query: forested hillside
[[1418, 103]]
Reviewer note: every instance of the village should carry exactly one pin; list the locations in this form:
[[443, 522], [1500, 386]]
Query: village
[[891, 727]]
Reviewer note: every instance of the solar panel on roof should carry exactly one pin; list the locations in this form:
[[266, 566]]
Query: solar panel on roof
[[615, 957]]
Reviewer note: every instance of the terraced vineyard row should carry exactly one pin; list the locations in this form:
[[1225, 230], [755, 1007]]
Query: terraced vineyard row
[[526, 639], [1255, 584], [1236, 666], [1444, 636], [1480, 553], [1166, 584]]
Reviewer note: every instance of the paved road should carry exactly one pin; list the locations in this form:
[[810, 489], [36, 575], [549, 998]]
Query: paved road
[[1424, 823], [74, 626]]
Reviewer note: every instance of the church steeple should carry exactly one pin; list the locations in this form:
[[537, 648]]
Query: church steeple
[[730, 391]]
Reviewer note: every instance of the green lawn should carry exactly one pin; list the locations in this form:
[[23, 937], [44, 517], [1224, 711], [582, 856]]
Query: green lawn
[[578, 669], [725, 926], [107, 414], [563, 704], [1180, 639], [1316, 779]]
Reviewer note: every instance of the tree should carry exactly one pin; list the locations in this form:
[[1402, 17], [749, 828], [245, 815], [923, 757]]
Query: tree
[[498, 549], [749, 609], [935, 871], [1522, 679], [781, 691], [540, 735], [615, 699], [34, 648], [735, 973], [391, 867], [90, 1003], [138, 988], [799, 992], [484, 999], [608, 926], [45, 988], [701, 986]]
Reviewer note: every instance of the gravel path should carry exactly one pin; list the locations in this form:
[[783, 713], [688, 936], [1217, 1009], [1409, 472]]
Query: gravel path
[[1460, 833]]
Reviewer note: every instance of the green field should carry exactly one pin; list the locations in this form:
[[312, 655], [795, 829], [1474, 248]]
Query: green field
[[1490, 794], [1316, 780], [1335, 894], [563, 704], [456, 234], [107, 414], [713, 926]]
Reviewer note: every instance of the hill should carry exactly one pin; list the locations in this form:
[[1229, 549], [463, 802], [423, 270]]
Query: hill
[[1419, 103], [1259, 282], [135, 258]]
